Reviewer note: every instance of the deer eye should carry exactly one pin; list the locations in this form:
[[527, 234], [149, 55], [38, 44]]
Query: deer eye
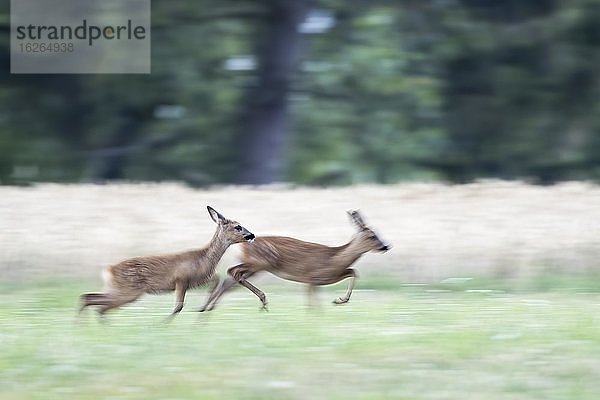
[[238, 228], [373, 237]]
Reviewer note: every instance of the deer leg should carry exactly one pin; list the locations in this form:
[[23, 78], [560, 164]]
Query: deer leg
[[259, 293], [217, 292], [92, 299], [311, 293], [348, 273], [180, 289], [106, 301], [240, 273], [214, 283], [214, 290], [115, 301], [215, 287]]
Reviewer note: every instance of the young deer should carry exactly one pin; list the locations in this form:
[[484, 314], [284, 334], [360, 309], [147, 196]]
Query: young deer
[[126, 281], [299, 261]]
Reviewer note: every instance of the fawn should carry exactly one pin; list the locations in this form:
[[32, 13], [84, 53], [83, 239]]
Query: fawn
[[126, 281], [296, 260]]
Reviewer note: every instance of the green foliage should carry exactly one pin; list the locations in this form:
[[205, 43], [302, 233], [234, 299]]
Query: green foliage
[[454, 90]]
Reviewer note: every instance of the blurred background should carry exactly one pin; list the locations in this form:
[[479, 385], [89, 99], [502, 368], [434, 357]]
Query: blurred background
[[323, 92], [467, 131]]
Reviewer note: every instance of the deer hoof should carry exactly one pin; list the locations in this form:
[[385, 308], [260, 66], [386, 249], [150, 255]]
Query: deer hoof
[[339, 300]]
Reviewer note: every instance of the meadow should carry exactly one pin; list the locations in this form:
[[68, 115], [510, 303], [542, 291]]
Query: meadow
[[408, 342], [491, 291]]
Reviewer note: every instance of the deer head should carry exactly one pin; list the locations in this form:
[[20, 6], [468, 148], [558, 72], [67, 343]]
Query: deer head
[[232, 231], [366, 235]]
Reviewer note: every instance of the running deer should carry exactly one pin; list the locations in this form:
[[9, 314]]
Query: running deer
[[299, 261], [126, 281]]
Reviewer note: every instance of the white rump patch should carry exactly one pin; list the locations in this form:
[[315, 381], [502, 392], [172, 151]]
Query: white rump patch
[[107, 278]]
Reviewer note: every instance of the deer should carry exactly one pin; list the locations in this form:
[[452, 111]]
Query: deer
[[126, 281], [292, 259]]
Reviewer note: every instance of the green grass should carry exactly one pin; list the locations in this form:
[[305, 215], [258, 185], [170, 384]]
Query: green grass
[[398, 342]]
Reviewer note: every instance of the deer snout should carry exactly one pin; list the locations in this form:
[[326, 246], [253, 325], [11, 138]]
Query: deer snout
[[249, 237], [385, 248]]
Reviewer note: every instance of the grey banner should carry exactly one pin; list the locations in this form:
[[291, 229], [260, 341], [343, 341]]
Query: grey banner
[[80, 36]]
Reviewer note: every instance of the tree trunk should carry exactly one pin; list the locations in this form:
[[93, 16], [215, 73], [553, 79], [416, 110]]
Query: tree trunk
[[265, 127], [109, 163]]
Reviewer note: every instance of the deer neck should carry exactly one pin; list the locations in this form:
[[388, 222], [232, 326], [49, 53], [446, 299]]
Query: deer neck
[[215, 249], [348, 253]]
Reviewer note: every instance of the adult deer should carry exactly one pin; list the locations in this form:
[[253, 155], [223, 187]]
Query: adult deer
[[299, 261], [126, 281]]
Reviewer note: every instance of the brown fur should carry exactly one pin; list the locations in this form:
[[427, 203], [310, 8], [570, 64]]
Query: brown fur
[[299, 261], [126, 281]]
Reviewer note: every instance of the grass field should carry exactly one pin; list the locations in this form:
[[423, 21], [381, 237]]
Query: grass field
[[449, 341]]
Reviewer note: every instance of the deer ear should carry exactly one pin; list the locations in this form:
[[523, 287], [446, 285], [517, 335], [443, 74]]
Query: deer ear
[[356, 219], [218, 218]]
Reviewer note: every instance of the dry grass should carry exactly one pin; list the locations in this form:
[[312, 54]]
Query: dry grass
[[488, 228]]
